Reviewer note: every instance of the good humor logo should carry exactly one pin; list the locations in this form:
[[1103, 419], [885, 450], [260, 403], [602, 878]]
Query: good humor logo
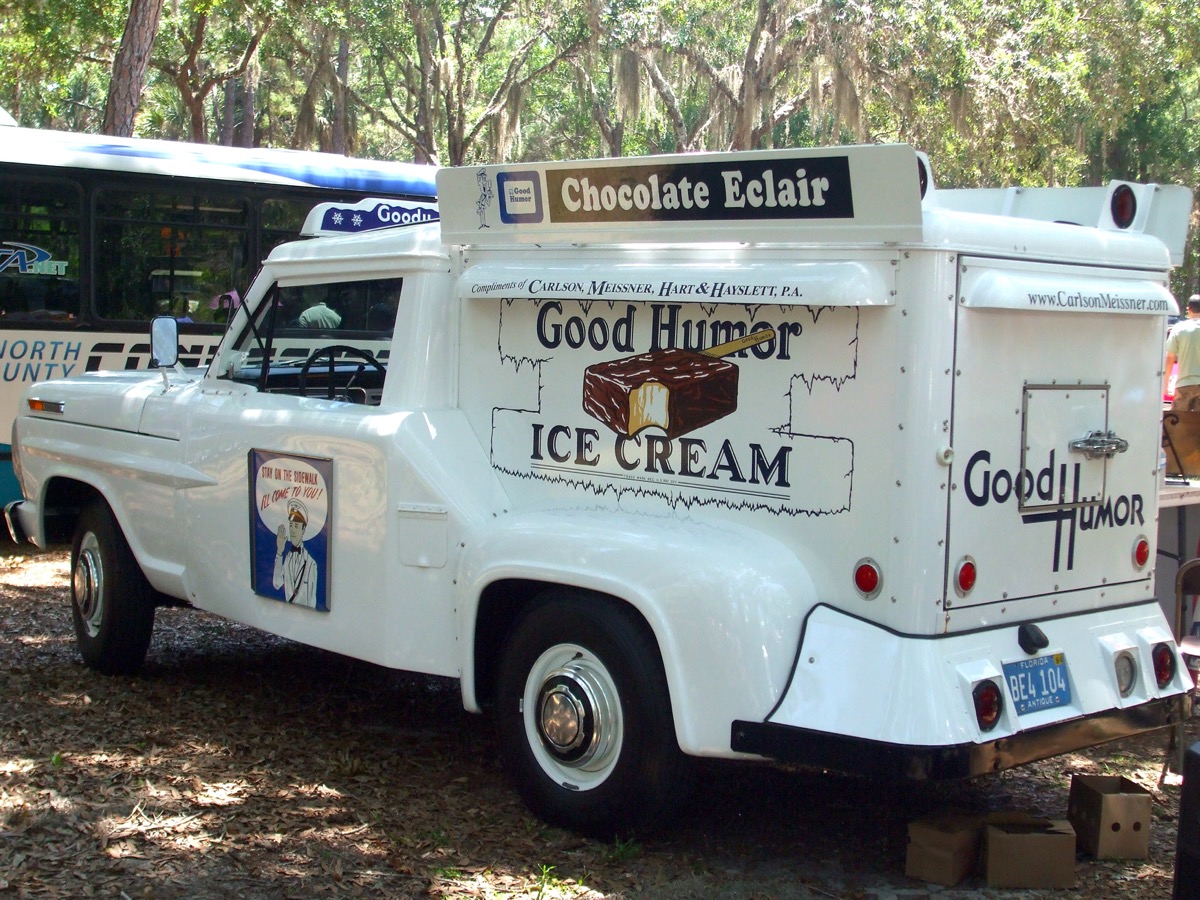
[[1056, 483], [352, 219], [520, 197]]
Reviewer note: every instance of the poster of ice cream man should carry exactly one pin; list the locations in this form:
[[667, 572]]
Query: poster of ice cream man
[[289, 527]]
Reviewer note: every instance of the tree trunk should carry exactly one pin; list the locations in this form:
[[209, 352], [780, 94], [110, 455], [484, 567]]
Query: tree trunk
[[129, 67], [339, 96], [228, 113], [249, 110]]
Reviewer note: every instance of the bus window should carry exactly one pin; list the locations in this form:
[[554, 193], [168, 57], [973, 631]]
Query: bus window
[[161, 252], [282, 219], [39, 251], [177, 292]]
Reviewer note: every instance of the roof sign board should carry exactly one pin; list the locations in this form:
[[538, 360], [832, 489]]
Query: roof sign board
[[371, 214], [848, 194]]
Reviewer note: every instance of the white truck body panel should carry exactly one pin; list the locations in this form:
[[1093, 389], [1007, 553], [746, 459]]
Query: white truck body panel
[[887, 368]]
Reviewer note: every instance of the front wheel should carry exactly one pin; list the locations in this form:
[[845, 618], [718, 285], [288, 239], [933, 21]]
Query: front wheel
[[112, 604], [584, 718]]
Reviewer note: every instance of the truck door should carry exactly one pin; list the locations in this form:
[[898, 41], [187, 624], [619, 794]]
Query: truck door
[[296, 531], [1055, 424]]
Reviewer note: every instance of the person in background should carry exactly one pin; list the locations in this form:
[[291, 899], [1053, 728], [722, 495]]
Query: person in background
[[1183, 347], [320, 316]]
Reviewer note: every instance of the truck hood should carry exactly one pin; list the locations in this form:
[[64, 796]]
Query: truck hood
[[110, 400]]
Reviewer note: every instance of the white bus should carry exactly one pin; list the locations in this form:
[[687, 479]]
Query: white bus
[[99, 234]]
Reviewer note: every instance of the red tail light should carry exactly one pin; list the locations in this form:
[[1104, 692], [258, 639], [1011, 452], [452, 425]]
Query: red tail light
[[1141, 552], [989, 704], [964, 576], [1164, 664]]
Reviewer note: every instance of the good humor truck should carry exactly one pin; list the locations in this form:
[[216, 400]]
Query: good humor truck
[[782, 455]]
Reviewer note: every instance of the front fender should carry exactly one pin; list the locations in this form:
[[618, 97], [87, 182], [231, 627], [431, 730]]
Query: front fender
[[725, 603], [137, 476]]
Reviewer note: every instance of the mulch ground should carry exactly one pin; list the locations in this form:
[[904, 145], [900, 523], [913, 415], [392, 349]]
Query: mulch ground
[[239, 765]]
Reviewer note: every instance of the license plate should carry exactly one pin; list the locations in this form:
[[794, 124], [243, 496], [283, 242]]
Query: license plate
[[1038, 683]]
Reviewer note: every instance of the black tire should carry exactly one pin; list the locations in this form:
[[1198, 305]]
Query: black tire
[[112, 604], [584, 718]]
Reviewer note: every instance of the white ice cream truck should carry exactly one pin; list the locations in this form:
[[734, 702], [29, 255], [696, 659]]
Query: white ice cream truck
[[784, 455]]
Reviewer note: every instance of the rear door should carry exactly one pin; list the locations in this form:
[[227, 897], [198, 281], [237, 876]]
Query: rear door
[[1056, 418]]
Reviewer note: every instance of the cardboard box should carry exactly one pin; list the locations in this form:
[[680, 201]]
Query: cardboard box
[[1029, 852], [1111, 815], [943, 849]]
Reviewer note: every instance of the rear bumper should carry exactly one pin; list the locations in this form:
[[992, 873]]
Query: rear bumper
[[787, 743]]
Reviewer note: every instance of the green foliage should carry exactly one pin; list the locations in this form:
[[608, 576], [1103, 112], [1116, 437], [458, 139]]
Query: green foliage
[[1028, 91], [54, 59]]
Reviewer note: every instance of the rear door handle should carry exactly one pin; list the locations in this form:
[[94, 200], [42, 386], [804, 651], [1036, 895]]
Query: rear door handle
[[1099, 444]]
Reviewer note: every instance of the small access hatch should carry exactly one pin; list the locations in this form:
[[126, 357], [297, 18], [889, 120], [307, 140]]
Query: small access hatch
[[1061, 426]]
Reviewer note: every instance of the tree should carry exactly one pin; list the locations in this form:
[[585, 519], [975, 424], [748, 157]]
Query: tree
[[56, 60], [209, 44], [129, 67], [454, 75]]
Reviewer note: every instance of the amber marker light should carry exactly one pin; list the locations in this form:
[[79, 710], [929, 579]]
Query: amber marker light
[[49, 406]]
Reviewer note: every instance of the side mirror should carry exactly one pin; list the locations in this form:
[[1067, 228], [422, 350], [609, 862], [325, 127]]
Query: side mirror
[[164, 342]]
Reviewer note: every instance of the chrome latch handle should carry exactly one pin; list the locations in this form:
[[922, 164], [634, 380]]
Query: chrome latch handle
[[1100, 444]]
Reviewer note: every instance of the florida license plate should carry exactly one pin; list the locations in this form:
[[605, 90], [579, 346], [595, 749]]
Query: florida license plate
[[1038, 683]]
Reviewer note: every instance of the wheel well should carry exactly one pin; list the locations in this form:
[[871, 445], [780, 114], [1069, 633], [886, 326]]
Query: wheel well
[[61, 505], [499, 607]]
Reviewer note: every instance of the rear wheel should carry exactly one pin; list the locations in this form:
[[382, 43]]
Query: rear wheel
[[112, 604], [584, 718]]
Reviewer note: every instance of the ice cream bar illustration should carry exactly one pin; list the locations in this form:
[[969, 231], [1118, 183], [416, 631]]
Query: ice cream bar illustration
[[675, 390]]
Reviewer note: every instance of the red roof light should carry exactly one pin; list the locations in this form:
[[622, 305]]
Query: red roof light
[[1123, 206]]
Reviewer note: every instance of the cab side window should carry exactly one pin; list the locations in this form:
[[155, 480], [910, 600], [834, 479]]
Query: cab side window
[[365, 309], [327, 339]]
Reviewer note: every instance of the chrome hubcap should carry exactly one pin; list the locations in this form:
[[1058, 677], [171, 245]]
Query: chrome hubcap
[[573, 712], [87, 585]]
